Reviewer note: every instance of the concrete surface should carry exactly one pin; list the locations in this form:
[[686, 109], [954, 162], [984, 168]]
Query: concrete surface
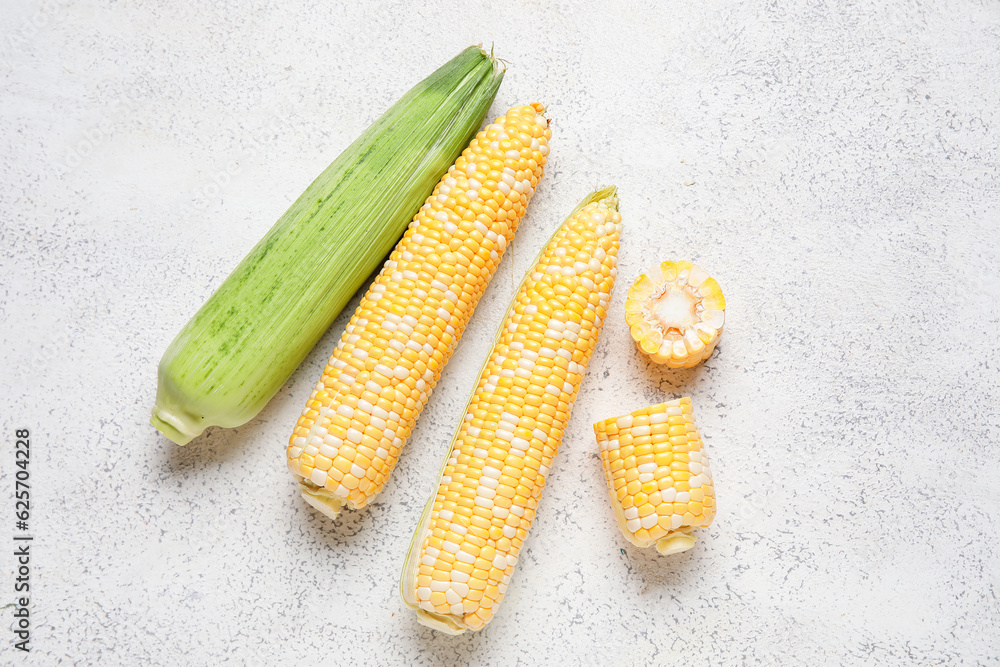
[[834, 165]]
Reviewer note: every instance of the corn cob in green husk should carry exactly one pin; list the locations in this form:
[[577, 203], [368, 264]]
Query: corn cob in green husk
[[245, 341]]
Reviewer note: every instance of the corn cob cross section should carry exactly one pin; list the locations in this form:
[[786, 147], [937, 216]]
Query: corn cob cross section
[[658, 475], [467, 543], [675, 312], [392, 352]]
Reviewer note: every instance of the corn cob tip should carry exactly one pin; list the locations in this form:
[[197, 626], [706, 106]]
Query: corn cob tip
[[607, 194], [499, 64]]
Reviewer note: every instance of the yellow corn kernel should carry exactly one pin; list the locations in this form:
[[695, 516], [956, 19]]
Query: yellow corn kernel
[[679, 478], [393, 350]]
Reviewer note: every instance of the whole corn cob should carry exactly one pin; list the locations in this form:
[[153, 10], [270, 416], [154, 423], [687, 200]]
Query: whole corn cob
[[392, 352], [658, 475], [244, 342], [467, 543], [676, 313]]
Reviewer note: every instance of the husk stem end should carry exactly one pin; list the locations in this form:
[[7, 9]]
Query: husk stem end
[[173, 427], [674, 543]]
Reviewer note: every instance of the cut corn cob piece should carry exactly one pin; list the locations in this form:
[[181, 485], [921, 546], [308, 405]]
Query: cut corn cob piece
[[392, 352], [658, 475], [467, 543], [245, 341], [676, 313]]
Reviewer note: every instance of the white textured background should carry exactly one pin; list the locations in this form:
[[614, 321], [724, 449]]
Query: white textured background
[[833, 164]]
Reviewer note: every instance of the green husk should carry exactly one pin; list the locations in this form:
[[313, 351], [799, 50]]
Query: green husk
[[254, 331]]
